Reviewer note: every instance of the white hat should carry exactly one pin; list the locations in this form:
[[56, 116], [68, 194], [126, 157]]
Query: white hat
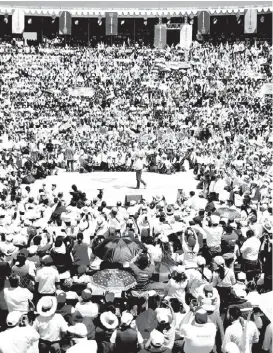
[[162, 317], [9, 238], [180, 269], [215, 219], [47, 306], [109, 320], [231, 347], [78, 330], [241, 276], [132, 202], [13, 318], [201, 261], [241, 293], [32, 250], [126, 319], [219, 260], [157, 338]]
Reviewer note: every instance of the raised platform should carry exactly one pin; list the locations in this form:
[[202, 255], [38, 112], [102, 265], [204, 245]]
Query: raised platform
[[117, 185]]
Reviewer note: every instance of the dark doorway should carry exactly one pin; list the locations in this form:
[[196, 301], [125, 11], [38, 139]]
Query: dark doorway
[[173, 37]]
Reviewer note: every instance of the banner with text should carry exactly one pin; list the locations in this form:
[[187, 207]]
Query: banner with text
[[251, 21], [203, 22], [186, 36], [18, 21], [65, 23], [160, 39], [111, 23]]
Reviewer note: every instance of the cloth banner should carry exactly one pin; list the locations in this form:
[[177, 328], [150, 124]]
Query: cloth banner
[[30, 35], [251, 21], [111, 23], [160, 39], [204, 22], [18, 21], [186, 36], [65, 23]]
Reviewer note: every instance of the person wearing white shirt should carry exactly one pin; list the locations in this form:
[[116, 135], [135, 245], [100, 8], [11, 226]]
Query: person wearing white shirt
[[79, 338], [139, 165], [268, 339], [241, 332], [17, 339], [47, 278], [17, 298], [250, 251], [200, 335]]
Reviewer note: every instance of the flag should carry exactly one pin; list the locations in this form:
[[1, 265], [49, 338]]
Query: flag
[[251, 21], [111, 23], [204, 22], [65, 23], [186, 36], [18, 21], [160, 38]]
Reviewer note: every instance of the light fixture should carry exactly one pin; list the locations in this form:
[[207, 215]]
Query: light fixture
[[215, 20], [145, 22], [76, 22], [29, 21], [53, 19], [191, 22], [262, 19], [122, 22], [99, 20], [6, 18], [168, 22]]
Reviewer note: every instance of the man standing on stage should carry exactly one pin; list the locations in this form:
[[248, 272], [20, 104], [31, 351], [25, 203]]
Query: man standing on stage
[[139, 165]]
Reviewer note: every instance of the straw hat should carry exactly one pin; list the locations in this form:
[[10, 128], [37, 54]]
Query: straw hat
[[109, 320], [47, 306]]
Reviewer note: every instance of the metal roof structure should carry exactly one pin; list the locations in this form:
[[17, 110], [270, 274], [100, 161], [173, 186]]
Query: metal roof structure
[[133, 8]]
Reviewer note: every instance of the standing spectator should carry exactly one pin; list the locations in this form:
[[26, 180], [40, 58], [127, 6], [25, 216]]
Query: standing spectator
[[200, 335], [69, 156], [50, 326], [241, 332], [17, 339], [47, 279], [126, 338], [250, 252], [16, 297]]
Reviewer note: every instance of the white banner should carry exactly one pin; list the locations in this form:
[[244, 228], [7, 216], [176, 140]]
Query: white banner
[[251, 21], [30, 35], [186, 36], [18, 21]]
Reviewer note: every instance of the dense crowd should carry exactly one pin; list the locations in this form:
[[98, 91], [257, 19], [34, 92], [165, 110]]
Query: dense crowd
[[78, 275]]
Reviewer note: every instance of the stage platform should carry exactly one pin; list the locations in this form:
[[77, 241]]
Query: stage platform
[[117, 185]]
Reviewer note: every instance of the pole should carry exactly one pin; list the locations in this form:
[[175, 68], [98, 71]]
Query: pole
[[134, 32], [88, 34], [42, 33]]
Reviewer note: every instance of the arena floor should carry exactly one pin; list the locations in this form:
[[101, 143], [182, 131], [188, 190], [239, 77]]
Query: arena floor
[[117, 185]]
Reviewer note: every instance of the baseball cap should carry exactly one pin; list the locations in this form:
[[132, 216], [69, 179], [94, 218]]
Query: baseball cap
[[201, 316], [61, 297]]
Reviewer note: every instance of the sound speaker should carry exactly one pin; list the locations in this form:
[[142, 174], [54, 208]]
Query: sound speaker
[[128, 198]]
